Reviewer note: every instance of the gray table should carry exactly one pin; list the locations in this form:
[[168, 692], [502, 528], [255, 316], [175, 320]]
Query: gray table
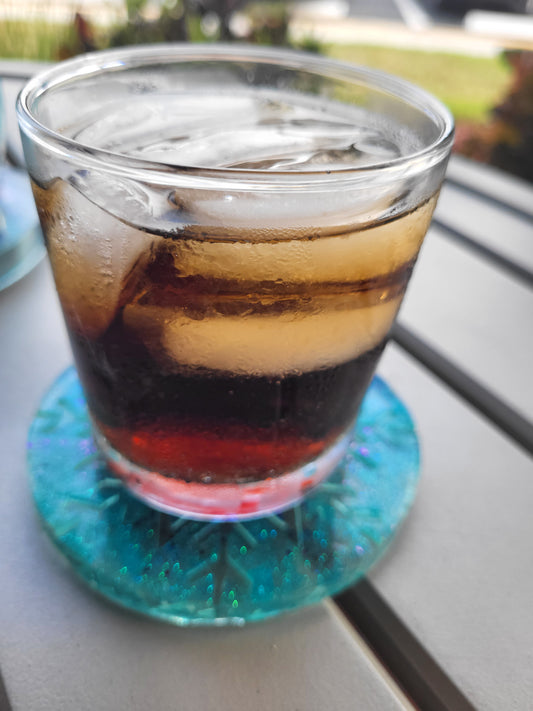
[[445, 621]]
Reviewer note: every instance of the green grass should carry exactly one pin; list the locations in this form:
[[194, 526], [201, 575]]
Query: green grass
[[469, 86], [36, 40]]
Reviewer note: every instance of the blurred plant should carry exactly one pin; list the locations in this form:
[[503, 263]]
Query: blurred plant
[[80, 40], [171, 24], [507, 141], [269, 23], [216, 17], [133, 8], [514, 149], [207, 20]]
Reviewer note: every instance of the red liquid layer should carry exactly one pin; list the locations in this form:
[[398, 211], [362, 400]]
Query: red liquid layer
[[233, 454]]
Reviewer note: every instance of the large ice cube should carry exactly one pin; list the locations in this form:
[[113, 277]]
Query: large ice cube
[[279, 344], [347, 258], [92, 255]]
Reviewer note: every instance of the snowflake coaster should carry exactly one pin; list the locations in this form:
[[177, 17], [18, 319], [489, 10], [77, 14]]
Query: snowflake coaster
[[207, 573]]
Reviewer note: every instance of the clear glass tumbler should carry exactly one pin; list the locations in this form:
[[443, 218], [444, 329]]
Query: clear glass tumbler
[[231, 231]]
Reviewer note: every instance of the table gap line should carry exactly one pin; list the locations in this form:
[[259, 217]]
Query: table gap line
[[412, 667], [513, 268], [16, 74], [508, 420], [4, 700], [490, 198]]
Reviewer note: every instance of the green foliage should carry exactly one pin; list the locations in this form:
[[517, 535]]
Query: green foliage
[[506, 141], [309, 44], [269, 23], [133, 8], [172, 26]]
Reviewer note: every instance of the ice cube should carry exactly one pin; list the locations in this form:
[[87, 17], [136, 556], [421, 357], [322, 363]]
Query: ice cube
[[290, 342], [91, 253], [288, 213], [132, 202], [346, 258]]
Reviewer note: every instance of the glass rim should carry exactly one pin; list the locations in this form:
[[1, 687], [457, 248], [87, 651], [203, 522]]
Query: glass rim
[[198, 176]]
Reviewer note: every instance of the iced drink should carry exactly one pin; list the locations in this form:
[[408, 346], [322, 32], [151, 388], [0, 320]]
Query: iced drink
[[225, 338]]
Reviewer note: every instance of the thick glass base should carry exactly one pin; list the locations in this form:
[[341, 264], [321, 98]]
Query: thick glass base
[[221, 502], [213, 573]]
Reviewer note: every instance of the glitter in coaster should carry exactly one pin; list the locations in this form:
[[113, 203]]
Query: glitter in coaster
[[207, 573]]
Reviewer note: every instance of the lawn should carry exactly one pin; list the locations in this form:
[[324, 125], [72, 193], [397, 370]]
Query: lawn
[[469, 86], [37, 40]]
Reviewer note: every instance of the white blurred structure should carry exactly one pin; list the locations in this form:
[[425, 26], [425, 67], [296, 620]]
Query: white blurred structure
[[499, 24]]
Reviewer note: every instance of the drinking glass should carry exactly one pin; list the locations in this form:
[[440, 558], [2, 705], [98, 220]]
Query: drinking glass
[[231, 231]]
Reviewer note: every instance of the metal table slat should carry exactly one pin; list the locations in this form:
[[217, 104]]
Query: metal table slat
[[459, 574], [514, 268], [418, 674], [479, 217], [476, 315], [511, 194], [475, 394]]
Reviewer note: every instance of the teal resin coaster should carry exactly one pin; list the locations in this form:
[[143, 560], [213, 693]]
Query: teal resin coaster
[[21, 240], [206, 573]]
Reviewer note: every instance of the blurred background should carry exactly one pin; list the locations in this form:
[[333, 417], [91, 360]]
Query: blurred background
[[475, 55]]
